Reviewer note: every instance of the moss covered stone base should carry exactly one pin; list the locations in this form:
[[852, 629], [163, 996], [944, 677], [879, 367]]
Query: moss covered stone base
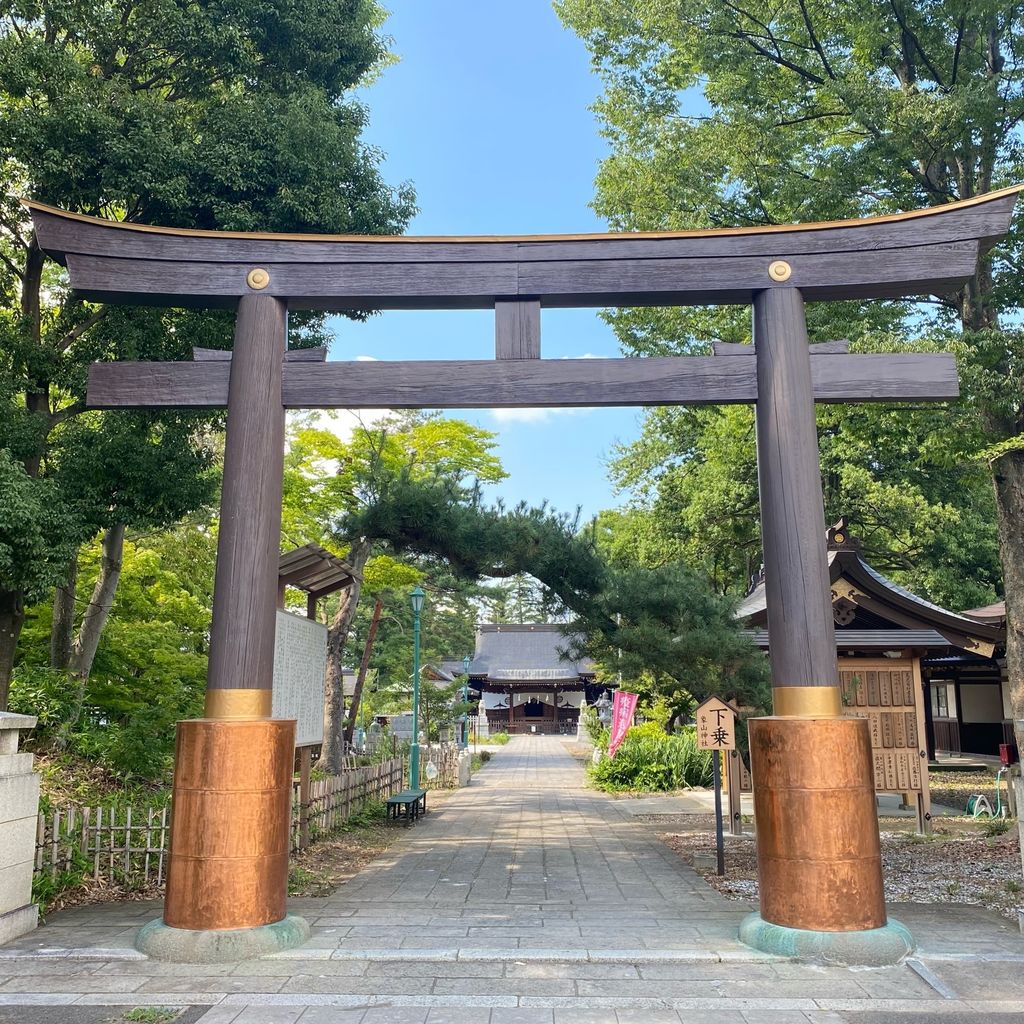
[[188, 946], [874, 947]]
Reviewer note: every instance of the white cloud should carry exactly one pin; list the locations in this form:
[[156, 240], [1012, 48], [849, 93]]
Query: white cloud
[[367, 359], [344, 422], [532, 415]]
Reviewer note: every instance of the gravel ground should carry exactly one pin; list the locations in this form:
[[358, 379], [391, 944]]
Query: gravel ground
[[958, 863]]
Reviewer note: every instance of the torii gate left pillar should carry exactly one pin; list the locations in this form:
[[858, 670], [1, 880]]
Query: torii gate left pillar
[[227, 877]]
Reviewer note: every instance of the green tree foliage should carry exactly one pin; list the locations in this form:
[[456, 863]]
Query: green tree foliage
[[726, 114], [205, 115], [150, 670]]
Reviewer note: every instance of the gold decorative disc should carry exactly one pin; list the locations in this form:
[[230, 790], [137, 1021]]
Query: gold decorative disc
[[258, 278], [779, 270]]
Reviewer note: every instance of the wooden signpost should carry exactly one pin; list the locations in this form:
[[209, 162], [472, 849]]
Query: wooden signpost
[[221, 877], [716, 731]]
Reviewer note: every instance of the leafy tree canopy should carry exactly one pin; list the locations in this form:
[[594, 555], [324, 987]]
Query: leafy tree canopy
[[724, 114]]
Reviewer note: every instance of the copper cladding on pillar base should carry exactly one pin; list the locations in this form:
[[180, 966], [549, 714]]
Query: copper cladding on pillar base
[[818, 852], [231, 819]]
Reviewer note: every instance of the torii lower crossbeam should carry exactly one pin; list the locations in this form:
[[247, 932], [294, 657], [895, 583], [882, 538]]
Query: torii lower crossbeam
[[503, 383]]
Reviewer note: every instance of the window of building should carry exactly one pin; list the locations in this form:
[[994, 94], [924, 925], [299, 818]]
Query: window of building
[[943, 700]]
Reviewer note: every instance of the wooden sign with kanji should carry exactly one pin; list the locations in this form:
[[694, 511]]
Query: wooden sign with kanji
[[716, 725]]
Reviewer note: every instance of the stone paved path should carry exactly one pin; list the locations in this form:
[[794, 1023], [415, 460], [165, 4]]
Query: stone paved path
[[524, 899]]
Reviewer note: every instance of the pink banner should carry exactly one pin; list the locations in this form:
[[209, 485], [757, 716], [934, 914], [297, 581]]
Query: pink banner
[[623, 706]]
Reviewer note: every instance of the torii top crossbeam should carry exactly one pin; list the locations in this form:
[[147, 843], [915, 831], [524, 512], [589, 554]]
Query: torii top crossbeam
[[933, 250], [924, 251]]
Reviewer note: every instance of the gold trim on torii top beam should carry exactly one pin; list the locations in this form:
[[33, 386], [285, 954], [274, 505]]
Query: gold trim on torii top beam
[[932, 251], [757, 229]]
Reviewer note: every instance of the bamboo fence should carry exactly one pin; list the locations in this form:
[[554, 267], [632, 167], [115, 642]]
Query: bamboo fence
[[124, 845]]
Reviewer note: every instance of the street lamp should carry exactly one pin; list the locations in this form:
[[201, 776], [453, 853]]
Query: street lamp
[[465, 700], [414, 752]]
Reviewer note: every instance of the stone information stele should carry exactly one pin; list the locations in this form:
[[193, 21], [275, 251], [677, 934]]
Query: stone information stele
[[300, 661]]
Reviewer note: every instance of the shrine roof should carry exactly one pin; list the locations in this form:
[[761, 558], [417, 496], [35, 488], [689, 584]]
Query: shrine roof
[[993, 613], [523, 653], [922, 623]]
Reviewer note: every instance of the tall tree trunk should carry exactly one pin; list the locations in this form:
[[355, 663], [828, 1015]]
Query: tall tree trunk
[[1008, 475], [63, 627], [83, 651], [333, 749], [12, 618], [357, 693]]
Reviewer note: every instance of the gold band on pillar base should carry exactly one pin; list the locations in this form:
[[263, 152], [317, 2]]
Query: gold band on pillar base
[[231, 828], [238, 704], [807, 701], [818, 853]]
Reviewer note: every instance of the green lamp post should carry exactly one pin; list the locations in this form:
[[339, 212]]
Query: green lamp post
[[414, 752], [465, 700]]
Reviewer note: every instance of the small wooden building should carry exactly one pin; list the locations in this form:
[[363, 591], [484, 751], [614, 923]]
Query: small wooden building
[[955, 659], [525, 680]]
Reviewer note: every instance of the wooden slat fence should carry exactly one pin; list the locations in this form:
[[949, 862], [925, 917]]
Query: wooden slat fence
[[446, 759], [114, 844], [333, 800], [128, 845]]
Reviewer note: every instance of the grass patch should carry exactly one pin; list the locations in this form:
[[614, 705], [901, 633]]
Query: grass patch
[[151, 1014]]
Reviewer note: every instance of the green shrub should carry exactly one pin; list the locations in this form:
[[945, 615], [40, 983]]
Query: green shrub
[[595, 730], [654, 763], [649, 730], [498, 738], [995, 827]]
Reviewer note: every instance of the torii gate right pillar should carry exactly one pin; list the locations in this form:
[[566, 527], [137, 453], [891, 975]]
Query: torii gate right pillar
[[818, 853]]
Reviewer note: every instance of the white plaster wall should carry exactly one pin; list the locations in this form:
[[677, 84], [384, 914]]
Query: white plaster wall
[[981, 703], [19, 807]]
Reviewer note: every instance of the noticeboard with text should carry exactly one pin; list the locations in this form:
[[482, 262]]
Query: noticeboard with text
[[300, 662], [890, 697]]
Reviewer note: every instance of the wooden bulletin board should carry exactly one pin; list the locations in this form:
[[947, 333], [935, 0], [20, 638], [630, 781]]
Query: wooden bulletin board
[[888, 693]]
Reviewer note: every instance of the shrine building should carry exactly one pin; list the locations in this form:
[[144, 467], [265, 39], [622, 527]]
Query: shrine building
[[525, 679], [956, 660]]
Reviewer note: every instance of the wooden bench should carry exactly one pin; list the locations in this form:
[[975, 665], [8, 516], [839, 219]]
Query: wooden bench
[[407, 805]]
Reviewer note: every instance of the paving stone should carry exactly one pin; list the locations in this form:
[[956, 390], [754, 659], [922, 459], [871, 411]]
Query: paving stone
[[459, 1015], [269, 1015], [220, 1015], [519, 987], [523, 1015], [331, 1015], [75, 983], [394, 1015], [585, 1017]]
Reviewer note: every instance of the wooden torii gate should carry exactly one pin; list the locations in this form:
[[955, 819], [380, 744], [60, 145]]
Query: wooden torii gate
[[818, 847]]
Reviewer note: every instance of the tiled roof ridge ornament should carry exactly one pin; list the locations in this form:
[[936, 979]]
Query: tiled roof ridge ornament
[[840, 538]]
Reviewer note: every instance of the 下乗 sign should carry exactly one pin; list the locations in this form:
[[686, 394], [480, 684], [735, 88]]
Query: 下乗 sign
[[716, 725]]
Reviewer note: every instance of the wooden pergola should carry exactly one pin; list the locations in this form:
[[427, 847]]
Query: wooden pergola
[[314, 570]]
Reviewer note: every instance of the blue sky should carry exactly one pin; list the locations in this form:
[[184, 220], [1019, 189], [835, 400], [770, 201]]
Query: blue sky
[[487, 113]]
